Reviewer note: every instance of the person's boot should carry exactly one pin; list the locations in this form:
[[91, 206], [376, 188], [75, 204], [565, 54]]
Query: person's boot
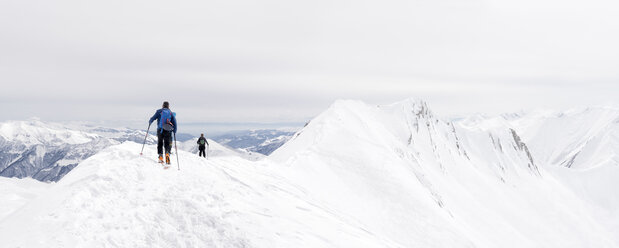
[[160, 158], [167, 158]]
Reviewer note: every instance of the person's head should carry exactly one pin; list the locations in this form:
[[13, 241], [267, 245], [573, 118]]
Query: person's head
[[166, 104], [201, 135]]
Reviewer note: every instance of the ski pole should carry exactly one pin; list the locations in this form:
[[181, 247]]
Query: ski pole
[[208, 148], [176, 148], [143, 144]]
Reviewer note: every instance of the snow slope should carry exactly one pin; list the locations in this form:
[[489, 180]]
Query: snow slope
[[424, 182], [217, 150], [119, 199], [577, 138], [356, 176], [17, 192], [579, 147]]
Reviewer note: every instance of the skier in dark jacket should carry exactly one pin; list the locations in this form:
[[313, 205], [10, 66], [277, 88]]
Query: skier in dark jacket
[[201, 142], [166, 124]]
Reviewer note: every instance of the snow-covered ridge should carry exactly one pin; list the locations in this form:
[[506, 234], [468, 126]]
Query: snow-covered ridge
[[46, 151], [217, 150], [119, 199], [580, 147], [409, 125], [468, 185], [580, 138], [357, 175]]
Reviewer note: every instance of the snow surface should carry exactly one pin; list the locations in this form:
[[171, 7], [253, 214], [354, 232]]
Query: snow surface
[[119, 199], [17, 192], [423, 182], [579, 147], [215, 150], [577, 138], [356, 176]]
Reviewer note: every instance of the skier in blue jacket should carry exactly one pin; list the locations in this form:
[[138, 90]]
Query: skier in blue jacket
[[166, 124]]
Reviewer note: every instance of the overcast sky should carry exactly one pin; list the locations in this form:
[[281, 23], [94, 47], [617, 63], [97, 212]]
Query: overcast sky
[[286, 61]]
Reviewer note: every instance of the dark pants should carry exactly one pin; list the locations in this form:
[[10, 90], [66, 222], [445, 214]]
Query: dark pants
[[164, 138], [202, 153]]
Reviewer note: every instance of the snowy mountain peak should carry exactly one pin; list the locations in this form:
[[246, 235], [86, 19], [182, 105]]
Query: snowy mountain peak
[[357, 175], [34, 131], [417, 106], [375, 155], [409, 130], [579, 138]]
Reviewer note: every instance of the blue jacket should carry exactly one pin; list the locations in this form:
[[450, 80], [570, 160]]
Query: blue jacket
[[157, 116]]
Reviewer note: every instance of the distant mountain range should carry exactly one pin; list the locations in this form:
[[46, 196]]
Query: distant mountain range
[[261, 141], [47, 151]]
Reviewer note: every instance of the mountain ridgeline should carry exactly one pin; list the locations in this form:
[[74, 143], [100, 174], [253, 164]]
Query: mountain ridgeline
[[468, 184], [47, 151], [357, 175]]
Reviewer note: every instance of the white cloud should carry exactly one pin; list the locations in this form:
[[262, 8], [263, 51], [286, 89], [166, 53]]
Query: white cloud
[[281, 60]]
